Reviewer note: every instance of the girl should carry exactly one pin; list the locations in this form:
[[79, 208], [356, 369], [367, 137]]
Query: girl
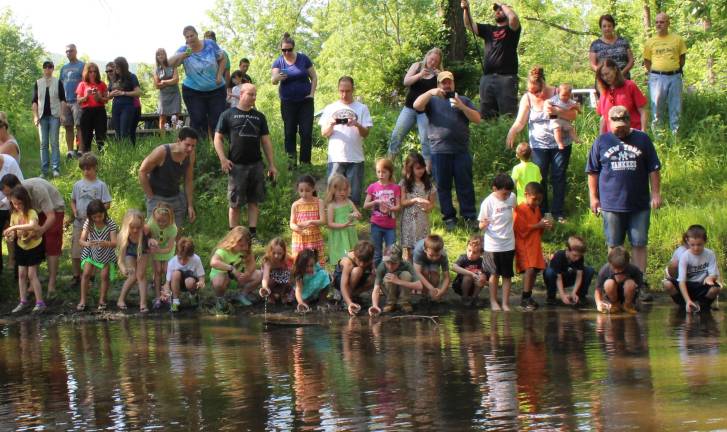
[[29, 250], [383, 198], [98, 239], [233, 89], [418, 200], [306, 218], [132, 254], [166, 80], [162, 234], [184, 270], [233, 252], [342, 214], [311, 281], [276, 272]]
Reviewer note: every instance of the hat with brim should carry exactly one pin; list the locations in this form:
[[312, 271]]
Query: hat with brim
[[444, 75], [393, 255], [619, 116]]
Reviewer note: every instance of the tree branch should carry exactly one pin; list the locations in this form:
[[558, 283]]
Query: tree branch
[[560, 27]]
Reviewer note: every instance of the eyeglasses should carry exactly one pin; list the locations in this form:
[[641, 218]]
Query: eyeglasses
[[47, 67], [620, 119], [285, 50]]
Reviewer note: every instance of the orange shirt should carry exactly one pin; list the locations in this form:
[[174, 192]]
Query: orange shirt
[[528, 249]]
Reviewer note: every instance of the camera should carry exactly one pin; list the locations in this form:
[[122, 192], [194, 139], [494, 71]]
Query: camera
[[449, 95], [341, 121]]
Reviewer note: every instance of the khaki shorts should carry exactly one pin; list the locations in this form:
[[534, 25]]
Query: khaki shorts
[[72, 114], [76, 239]]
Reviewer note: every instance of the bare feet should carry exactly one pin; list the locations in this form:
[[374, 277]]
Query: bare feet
[[495, 306], [505, 306]]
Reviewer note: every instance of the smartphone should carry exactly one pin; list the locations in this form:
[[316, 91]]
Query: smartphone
[[341, 121], [449, 95]]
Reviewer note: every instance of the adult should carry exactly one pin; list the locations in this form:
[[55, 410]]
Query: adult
[[295, 73], [92, 96], [664, 57], [48, 203], [420, 78], [346, 123], [498, 85], [448, 132], [203, 88], [621, 166], [164, 169], [8, 144], [210, 35], [247, 130], [611, 46], [553, 162], [49, 101], [615, 90], [243, 67], [8, 165], [71, 75], [123, 90], [166, 80]]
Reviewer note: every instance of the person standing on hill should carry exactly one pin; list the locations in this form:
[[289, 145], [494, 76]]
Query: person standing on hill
[[71, 75], [49, 101], [498, 85]]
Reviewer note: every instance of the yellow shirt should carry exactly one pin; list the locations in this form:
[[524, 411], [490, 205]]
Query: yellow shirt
[[25, 241], [522, 174], [664, 52]]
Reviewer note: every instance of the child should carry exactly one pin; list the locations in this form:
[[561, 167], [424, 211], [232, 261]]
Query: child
[[231, 253], [306, 218], [618, 283], [311, 281], [562, 128], [496, 218], [342, 214], [398, 279], [87, 189], [162, 232], [277, 264], [29, 250], [233, 89], [132, 254], [418, 195], [528, 225], [383, 199], [567, 269], [184, 271], [471, 274], [354, 275], [98, 239], [524, 172], [432, 266], [697, 273]]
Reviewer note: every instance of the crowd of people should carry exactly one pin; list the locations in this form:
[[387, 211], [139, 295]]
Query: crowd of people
[[403, 258]]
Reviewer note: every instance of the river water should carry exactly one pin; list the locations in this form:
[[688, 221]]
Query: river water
[[552, 369]]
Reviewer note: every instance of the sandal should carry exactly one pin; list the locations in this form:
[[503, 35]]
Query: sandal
[[143, 309], [101, 307], [121, 306], [81, 307]]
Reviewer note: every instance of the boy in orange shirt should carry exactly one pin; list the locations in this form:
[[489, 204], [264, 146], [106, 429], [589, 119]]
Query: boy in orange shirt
[[528, 226]]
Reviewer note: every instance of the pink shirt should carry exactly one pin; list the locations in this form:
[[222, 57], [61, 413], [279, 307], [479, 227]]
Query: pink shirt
[[381, 215], [628, 96]]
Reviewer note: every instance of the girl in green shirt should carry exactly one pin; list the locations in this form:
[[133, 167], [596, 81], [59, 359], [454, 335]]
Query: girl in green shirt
[[162, 234], [233, 260]]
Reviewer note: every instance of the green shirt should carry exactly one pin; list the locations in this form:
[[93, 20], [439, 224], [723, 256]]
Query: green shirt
[[404, 266], [522, 174], [163, 236]]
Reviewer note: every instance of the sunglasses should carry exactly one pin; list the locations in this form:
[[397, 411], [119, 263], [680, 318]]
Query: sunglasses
[[109, 71], [47, 67], [620, 119], [285, 50]]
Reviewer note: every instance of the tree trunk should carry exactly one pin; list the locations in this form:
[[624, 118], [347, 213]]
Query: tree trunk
[[457, 39], [711, 78], [647, 18]]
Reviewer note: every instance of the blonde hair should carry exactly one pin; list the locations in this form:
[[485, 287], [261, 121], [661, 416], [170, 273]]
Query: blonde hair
[[131, 216], [388, 165], [523, 151], [161, 208], [276, 242], [233, 237], [334, 183], [434, 50]]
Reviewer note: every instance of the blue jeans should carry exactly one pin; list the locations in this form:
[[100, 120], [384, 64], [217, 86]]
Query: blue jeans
[[379, 236], [123, 119], [635, 224], [48, 129], [569, 279], [665, 90], [554, 162], [354, 172], [404, 124], [205, 108], [446, 167]]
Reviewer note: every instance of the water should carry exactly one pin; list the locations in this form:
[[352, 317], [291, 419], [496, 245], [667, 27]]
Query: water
[[475, 370]]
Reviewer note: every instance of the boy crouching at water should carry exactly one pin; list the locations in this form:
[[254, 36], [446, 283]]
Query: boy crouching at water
[[432, 265], [396, 278], [567, 270], [618, 283]]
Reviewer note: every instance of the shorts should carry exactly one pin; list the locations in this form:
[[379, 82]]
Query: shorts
[[620, 289], [76, 239], [457, 283], [53, 238], [177, 202], [616, 225], [246, 184], [72, 114], [697, 290], [186, 274], [130, 263], [338, 273], [29, 257], [500, 263]]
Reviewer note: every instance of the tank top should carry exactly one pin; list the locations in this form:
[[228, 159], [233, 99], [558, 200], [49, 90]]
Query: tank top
[[165, 178], [419, 88], [540, 134]]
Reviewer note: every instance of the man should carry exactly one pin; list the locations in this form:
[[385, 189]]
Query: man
[[498, 85], [664, 57], [49, 102], [163, 170], [449, 136], [71, 75], [243, 66], [209, 34], [346, 123], [48, 203], [621, 166], [247, 130]]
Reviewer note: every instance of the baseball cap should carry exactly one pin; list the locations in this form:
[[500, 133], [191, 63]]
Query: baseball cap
[[444, 75], [393, 254], [619, 116]]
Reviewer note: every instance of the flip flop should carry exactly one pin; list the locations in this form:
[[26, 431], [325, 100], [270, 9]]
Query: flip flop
[[81, 307], [143, 309], [101, 307]]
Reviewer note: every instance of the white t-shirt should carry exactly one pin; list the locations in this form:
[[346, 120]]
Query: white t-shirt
[[696, 268], [499, 235], [345, 143], [10, 166], [194, 264]]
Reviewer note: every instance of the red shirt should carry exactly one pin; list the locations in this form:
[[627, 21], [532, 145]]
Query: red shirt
[[628, 96], [83, 88]]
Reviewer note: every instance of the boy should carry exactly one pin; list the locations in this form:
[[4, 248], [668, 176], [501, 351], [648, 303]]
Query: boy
[[618, 283], [528, 226], [432, 265], [524, 172], [567, 269], [354, 275], [184, 270], [84, 191], [398, 278], [496, 218], [470, 268]]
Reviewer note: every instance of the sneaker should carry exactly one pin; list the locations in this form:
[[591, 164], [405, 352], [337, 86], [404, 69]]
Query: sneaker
[[40, 307], [174, 307], [629, 308], [472, 225], [407, 308], [157, 304], [529, 304], [450, 224], [194, 299], [220, 306], [243, 299], [70, 155], [20, 307], [551, 301], [56, 173], [389, 308], [561, 220], [78, 154]]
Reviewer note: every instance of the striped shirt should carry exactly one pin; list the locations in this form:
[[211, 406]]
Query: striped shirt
[[102, 255]]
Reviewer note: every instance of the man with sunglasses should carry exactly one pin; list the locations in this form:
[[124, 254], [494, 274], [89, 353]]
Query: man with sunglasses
[[71, 75]]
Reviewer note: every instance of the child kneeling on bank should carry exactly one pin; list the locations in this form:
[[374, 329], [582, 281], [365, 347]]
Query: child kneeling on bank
[[395, 278], [184, 271], [432, 266], [567, 270], [618, 283], [471, 274]]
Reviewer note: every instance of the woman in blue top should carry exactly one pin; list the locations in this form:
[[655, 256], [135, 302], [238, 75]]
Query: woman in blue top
[[203, 88], [298, 80], [124, 88]]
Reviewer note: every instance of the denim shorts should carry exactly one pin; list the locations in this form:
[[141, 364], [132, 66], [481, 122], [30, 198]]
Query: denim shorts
[[617, 225]]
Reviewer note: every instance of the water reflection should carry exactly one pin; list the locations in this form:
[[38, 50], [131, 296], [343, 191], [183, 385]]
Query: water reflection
[[550, 370]]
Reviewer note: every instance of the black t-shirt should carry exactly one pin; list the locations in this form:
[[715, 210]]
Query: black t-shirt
[[46, 104], [419, 88], [500, 48], [471, 265], [562, 266], [630, 271], [244, 130]]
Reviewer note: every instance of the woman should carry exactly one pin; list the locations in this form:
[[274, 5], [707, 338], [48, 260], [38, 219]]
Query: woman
[[297, 77], [545, 152], [203, 88], [8, 144], [124, 88], [49, 102], [611, 46], [92, 95], [616, 90], [420, 78], [166, 79]]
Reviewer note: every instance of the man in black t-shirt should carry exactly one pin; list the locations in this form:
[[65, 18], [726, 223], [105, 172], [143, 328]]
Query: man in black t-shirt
[[246, 129], [498, 85]]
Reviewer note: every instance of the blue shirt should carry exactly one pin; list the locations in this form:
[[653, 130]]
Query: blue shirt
[[200, 67], [448, 130], [71, 75], [127, 86], [297, 86]]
